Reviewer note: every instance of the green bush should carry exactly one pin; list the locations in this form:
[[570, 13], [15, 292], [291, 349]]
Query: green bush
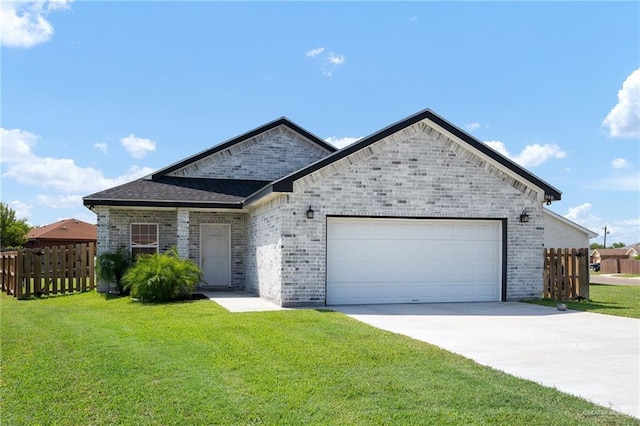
[[111, 267], [162, 277]]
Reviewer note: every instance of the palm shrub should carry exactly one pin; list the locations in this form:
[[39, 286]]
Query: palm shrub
[[111, 267], [162, 277]]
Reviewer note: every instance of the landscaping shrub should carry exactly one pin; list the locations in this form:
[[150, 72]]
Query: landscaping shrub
[[111, 267], [162, 277]]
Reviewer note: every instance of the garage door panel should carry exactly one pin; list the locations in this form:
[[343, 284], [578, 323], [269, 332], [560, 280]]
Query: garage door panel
[[409, 261]]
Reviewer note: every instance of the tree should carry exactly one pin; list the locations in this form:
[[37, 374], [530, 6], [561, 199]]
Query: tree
[[594, 246], [13, 232], [618, 245]]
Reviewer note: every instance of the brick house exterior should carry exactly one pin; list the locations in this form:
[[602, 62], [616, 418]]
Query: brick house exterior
[[255, 190]]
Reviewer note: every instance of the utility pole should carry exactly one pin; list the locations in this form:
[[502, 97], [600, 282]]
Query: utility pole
[[605, 236]]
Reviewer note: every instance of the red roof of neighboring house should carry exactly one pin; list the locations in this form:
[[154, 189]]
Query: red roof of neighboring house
[[67, 229]]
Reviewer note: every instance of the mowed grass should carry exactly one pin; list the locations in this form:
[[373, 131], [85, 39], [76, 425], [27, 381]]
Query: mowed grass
[[86, 359], [623, 301]]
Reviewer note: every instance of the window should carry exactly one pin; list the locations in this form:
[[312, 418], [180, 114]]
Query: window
[[144, 238]]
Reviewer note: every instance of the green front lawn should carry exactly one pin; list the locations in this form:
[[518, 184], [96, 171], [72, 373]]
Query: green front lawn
[[623, 301], [87, 359]]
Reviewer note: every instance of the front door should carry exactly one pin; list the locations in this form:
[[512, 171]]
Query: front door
[[215, 256]]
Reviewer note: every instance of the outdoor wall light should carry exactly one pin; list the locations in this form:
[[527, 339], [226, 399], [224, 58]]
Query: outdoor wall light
[[310, 213], [524, 216]]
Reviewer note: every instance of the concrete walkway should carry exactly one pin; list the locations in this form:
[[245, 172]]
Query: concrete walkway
[[240, 301], [593, 356]]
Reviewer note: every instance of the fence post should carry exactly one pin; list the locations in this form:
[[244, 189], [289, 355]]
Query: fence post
[[92, 266]]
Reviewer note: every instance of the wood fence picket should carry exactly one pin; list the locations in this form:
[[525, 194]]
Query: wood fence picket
[[566, 274], [49, 270]]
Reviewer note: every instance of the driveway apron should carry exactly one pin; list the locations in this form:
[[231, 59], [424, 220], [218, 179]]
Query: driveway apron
[[593, 356]]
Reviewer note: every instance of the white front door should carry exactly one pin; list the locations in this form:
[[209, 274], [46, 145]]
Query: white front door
[[215, 256]]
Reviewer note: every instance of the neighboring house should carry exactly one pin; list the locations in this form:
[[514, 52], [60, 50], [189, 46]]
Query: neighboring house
[[560, 232], [598, 255], [635, 246], [419, 211], [66, 231]]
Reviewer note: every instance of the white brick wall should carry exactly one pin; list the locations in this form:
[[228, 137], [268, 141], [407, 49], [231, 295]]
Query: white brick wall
[[268, 156], [420, 176], [264, 248]]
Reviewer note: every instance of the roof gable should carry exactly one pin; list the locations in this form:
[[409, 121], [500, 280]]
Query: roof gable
[[285, 184], [321, 145]]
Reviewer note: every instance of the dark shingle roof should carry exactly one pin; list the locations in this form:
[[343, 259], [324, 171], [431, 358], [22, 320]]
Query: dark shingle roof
[[170, 191]]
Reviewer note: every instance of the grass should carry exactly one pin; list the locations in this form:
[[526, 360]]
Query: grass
[[90, 359], [623, 301]]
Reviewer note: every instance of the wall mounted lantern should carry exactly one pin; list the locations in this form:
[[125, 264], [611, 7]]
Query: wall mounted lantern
[[524, 216], [310, 213]]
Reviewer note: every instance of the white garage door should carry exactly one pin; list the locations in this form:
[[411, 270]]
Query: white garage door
[[412, 261]]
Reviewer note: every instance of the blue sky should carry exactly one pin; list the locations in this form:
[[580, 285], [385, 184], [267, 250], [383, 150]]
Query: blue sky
[[96, 94]]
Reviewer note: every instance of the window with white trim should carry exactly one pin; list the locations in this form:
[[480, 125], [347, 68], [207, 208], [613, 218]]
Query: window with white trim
[[144, 238]]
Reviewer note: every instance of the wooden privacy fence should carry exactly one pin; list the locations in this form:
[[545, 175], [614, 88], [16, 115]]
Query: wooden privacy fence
[[566, 274], [49, 270], [620, 266]]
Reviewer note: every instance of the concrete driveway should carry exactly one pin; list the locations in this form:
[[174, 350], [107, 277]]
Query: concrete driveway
[[594, 356]]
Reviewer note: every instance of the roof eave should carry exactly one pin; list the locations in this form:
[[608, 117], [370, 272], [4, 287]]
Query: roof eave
[[159, 203]]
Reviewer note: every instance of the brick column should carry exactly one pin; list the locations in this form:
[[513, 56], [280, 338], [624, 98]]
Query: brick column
[[183, 233], [103, 243]]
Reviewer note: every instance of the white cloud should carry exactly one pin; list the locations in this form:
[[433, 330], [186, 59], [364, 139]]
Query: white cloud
[[24, 23], [15, 145], [413, 18], [620, 163], [335, 59], [472, 126], [63, 174], [531, 155], [102, 146], [314, 52], [341, 142], [138, 147], [329, 60], [60, 201], [623, 121], [22, 210], [626, 230], [621, 183]]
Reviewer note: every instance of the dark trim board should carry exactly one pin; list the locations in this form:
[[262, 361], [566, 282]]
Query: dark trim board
[[503, 236], [504, 260], [151, 203]]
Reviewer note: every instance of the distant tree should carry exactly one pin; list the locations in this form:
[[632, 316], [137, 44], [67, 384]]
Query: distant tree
[[618, 245], [594, 246], [13, 231]]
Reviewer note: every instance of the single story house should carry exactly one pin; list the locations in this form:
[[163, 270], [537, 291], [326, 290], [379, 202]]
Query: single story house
[[62, 233], [598, 255], [419, 211], [560, 232]]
